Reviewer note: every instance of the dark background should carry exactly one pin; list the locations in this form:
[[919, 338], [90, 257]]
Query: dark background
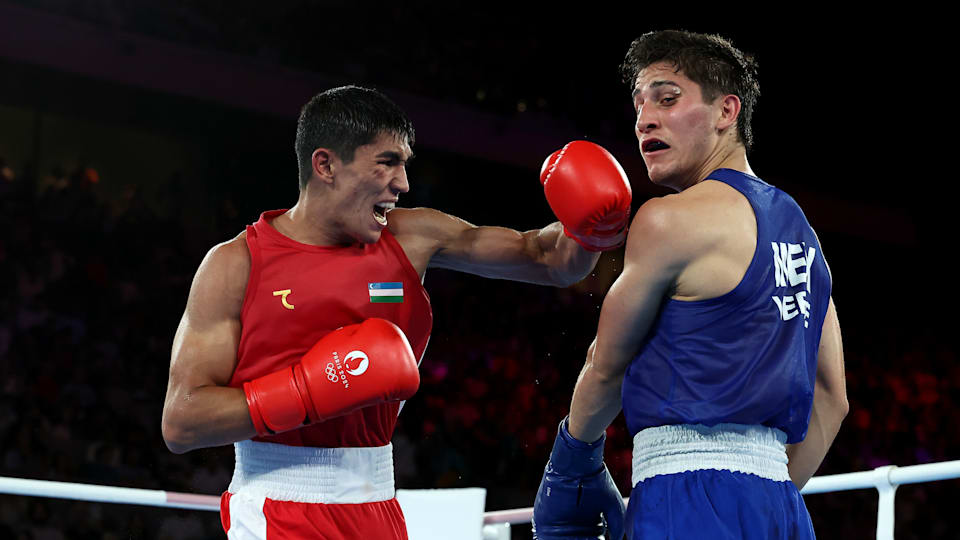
[[136, 135]]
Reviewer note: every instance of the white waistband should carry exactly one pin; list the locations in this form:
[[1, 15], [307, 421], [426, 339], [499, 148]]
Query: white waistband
[[674, 449], [313, 475]]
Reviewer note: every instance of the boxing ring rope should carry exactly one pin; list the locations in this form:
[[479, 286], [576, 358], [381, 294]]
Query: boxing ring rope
[[884, 479]]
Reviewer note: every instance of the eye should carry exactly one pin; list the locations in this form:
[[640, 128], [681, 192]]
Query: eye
[[668, 100]]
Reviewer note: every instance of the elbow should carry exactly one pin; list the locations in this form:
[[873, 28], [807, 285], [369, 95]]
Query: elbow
[[837, 408], [175, 448], [843, 407], [175, 436]]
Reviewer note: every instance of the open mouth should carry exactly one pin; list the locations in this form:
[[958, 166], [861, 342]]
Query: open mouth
[[380, 211], [654, 145]]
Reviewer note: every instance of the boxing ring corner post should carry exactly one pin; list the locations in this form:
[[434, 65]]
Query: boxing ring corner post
[[496, 525]]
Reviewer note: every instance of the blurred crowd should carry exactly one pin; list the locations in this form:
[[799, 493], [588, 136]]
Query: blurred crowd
[[94, 291], [396, 46]]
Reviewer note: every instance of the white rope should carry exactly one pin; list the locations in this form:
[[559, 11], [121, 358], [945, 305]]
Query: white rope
[[913, 474], [877, 478], [108, 494]]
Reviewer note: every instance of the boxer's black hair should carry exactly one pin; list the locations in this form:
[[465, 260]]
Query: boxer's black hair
[[709, 60], [343, 119]]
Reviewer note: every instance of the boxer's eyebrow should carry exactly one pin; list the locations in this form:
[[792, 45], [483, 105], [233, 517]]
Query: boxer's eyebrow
[[652, 86], [656, 84], [394, 156]]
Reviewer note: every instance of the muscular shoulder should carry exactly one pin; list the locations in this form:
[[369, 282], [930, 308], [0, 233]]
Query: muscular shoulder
[[667, 225], [705, 236], [684, 229], [221, 280], [696, 218], [231, 258]]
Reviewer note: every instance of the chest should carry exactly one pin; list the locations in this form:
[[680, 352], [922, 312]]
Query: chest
[[331, 291], [296, 295]]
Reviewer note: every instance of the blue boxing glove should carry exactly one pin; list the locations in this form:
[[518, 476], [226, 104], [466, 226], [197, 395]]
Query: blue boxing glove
[[577, 497]]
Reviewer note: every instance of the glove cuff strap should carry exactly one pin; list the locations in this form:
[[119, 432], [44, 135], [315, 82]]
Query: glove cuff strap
[[576, 443], [575, 457], [255, 414]]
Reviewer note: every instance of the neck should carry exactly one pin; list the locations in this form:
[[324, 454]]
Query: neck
[[305, 222], [732, 157]]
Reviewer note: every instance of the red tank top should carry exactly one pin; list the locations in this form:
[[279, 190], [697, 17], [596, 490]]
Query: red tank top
[[298, 293]]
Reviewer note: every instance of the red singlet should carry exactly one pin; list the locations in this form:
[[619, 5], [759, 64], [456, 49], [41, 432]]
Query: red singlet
[[298, 293]]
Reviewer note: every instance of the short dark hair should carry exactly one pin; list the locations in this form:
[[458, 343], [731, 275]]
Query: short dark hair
[[343, 119], [706, 59]]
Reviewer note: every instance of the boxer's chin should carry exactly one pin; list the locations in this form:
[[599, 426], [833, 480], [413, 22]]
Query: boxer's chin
[[657, 173], [663, 175]]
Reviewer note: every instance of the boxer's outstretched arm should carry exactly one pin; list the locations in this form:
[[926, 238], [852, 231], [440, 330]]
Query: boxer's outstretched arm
[[543, 256], [829, 404], [200, 410], [586, 189], [658, 248]]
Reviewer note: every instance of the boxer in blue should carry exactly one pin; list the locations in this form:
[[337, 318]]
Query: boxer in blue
[[719, 340]]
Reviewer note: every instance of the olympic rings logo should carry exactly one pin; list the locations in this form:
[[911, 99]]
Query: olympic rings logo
[[331, 373]]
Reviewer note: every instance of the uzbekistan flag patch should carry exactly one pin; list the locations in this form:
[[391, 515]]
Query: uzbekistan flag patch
[[386, 292]]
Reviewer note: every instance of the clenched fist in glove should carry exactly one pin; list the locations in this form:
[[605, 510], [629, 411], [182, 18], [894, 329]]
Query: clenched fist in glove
[[352, 367], [589, 193], [577, 498]]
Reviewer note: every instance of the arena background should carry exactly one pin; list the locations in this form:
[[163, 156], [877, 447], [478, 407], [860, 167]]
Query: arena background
[[136, 135]]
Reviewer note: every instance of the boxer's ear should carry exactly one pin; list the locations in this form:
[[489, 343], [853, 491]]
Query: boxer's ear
[[323, 164], [728, 111]]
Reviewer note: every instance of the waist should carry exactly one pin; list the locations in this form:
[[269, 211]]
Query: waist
[[313, 475], [750, 449]]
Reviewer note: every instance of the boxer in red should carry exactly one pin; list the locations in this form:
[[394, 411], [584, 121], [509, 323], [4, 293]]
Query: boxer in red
[[302, 335]]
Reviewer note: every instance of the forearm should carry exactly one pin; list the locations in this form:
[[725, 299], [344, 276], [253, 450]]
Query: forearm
[[595, 404], [205, 417], [568, 263], [806, 456]]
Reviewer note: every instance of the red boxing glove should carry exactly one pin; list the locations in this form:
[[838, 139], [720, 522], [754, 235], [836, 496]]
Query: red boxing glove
[[589, 193], [352, 367]]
